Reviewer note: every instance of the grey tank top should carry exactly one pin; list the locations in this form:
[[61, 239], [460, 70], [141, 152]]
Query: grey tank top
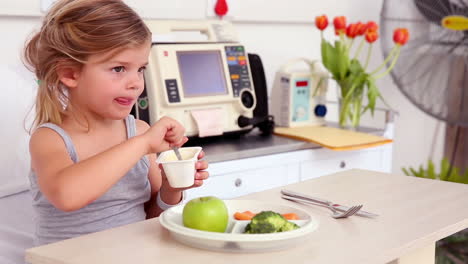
[[122, 204]]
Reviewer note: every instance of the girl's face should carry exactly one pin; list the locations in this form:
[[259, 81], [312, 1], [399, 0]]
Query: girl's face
[[108, 88]]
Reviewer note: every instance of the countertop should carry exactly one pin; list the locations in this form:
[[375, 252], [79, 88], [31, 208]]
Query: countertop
[[413, 214], [253, 144]]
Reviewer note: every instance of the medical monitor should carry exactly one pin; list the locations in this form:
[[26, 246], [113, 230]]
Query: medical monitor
[[202, 73]]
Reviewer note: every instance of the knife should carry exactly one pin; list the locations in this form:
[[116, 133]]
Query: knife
[[294, 196]]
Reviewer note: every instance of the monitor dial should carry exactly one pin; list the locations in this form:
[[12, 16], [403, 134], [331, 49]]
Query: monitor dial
[[247, 99]]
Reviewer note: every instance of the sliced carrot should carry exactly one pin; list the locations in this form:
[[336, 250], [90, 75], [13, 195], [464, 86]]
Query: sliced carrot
[[291, 216], [247, 215]]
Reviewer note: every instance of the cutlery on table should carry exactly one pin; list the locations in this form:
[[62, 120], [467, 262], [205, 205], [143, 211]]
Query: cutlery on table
[[299, 197], [335, 213], [351, 211]]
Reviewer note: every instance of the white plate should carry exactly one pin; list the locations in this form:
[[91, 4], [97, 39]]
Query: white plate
[[233, 240]]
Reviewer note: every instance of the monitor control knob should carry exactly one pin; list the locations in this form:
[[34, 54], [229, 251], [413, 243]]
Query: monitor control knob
[[247, 99], [320, 110]]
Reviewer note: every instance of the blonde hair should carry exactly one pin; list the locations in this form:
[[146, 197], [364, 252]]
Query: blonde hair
[[71, 32]]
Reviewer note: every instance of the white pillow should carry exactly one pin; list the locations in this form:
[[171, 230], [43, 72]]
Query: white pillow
[[18, 92]]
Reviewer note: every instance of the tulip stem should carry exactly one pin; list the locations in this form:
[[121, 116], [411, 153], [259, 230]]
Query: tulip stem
[[369, 52], [359, 49], [390, 56], [391, 66], [350, 43]]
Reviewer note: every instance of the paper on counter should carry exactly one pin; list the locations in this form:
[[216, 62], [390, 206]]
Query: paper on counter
[[332, 138], [209, 121]]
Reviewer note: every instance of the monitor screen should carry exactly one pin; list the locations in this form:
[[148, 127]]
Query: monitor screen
[[202, 73]]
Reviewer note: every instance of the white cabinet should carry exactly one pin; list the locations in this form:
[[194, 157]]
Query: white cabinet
[[235, 178], [236, 184], [370, 159]]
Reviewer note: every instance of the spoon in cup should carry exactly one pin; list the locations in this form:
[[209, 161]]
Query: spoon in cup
[[177, 153]]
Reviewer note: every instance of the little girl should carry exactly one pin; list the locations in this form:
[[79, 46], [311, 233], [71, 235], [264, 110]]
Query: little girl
[[93, 165]]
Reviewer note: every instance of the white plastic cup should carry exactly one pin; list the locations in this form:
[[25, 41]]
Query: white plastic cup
[[180, 173]]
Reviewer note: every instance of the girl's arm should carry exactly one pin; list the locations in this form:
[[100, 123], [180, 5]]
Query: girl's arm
[[154, 176], [155, 179], [160, 184], [70, 186], [168, 194]]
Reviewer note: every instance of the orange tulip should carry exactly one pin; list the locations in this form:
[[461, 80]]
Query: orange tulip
[[321, 22], [361, 28], [401, 36], [371, 26], [352, 30], [340, 24], [372, 36]]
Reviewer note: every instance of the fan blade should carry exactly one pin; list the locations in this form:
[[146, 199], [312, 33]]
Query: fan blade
[[434, 10]]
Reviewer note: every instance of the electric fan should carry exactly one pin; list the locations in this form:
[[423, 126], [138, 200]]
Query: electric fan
[[432, 69]]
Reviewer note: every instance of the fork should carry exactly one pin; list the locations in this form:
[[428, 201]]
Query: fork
[[351, 211], [324, 202], [335, 213]]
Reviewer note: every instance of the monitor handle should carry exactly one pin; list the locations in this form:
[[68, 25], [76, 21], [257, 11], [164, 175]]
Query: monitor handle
[[215, 30]]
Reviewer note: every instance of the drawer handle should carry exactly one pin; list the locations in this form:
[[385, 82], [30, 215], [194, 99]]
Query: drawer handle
[[342, 164], [238, 182]]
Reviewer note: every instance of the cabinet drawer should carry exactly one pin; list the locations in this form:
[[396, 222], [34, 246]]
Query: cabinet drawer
[[369, 160], [227, 186]]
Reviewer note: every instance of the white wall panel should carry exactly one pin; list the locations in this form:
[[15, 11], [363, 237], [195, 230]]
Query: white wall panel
[[167, 9], [297, 11], [20, 7], [182, 9]]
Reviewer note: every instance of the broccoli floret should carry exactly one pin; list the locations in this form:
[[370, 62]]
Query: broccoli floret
[[273, 218], [260, 228], [268, 222], [247, 228], [289, 226]]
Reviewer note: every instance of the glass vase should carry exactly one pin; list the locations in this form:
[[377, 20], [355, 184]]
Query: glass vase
[[349, 105]]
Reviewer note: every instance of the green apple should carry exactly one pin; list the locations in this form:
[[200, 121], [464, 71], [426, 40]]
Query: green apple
[[206, 213]]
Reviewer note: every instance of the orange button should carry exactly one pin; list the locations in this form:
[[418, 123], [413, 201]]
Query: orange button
[[231, 58], [241, 58], [234, 76]]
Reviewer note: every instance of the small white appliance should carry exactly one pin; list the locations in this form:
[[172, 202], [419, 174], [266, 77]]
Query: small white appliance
[[298, 97]]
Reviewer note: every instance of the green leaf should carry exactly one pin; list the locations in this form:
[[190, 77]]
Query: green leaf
[[342, 59], [329, 55], [454, 175], [430, 170], [355, 67], [444, 168], [465, 177], [356, 82], [372, 94], [414, 172], [421, 171], [406, 172]]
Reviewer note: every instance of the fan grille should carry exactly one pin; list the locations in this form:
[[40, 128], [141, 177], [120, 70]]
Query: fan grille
[[433, 66]]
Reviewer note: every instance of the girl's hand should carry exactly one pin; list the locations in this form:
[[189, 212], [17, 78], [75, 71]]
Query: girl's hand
[[164, 134], [200, 175]]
